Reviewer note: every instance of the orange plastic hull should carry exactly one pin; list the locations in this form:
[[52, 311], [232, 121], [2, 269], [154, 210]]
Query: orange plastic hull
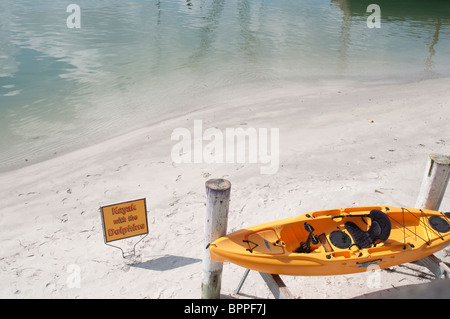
[[270, 247]]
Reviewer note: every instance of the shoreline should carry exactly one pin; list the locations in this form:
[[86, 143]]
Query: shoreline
[[206, 101], [330, 155]]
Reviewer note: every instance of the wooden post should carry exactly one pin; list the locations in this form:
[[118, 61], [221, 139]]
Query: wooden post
[[431, 193], [434, 183], [217, 204]]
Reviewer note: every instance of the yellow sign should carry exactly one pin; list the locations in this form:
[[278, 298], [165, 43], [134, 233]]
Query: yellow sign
[[124, 220]]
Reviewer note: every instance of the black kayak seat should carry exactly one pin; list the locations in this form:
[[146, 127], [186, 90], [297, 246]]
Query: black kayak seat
[[379, 230]]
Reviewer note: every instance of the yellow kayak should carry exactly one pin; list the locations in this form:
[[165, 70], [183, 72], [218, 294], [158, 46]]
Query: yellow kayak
[[336, 242]]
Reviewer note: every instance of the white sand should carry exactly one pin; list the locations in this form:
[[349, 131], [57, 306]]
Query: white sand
[[330, 156]]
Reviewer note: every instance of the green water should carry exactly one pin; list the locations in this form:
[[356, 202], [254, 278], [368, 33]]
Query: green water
[[132, 62]]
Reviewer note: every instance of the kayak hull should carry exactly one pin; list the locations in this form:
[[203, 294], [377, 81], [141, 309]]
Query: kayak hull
[[273, 247]]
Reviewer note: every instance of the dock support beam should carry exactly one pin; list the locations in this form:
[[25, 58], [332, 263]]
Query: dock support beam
[[274, 282], [276, 286], [433, 264], [216, 218]]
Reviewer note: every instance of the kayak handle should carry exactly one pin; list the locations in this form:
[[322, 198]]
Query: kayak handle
[[342, 216]]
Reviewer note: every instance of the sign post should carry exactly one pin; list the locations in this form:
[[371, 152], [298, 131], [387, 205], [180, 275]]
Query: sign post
[[124, 220]]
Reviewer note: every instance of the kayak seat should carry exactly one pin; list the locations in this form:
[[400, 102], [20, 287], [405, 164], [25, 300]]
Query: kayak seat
[[379, 230]]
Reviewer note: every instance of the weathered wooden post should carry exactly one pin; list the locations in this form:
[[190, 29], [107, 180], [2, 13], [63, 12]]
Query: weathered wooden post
[[216, 218], [431, 193], [434, 183]]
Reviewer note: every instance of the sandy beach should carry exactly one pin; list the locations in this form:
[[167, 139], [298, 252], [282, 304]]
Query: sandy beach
[[341, 144]]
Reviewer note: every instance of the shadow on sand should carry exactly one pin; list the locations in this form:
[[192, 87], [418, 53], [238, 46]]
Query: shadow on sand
[[166, 262]]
